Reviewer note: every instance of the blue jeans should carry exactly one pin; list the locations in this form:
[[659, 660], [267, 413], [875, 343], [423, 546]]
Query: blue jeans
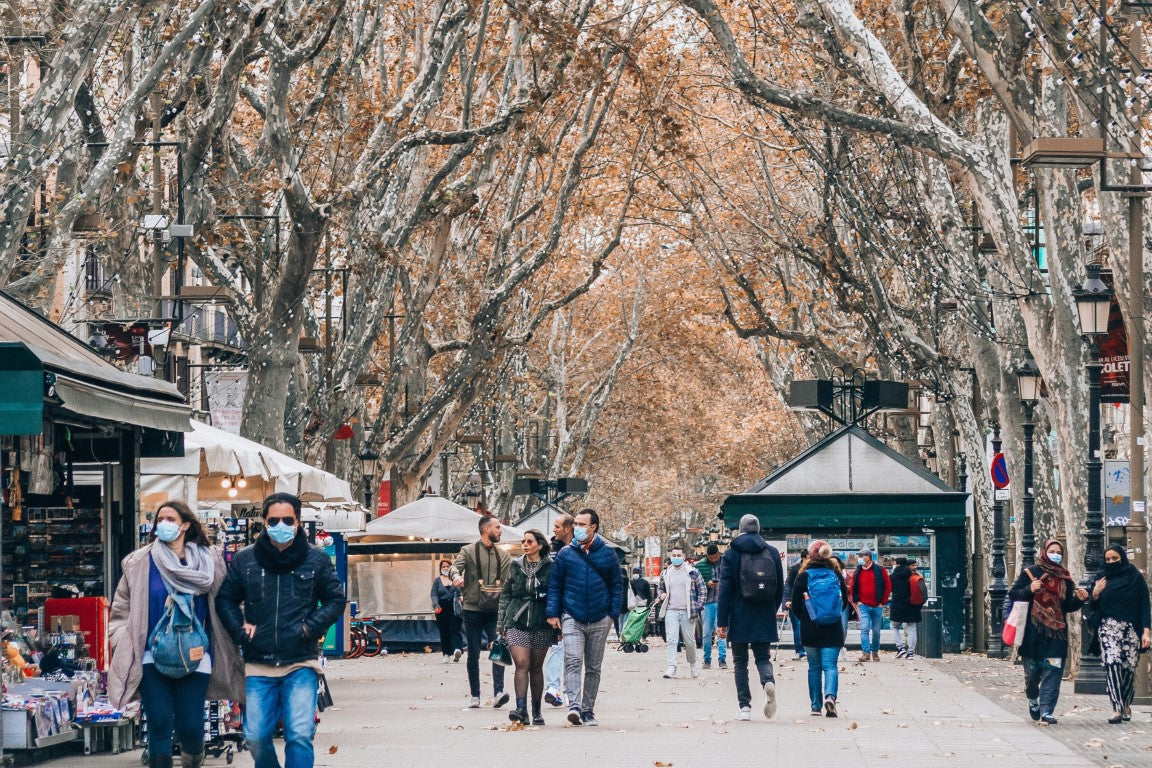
[[291, 699], [871, 620], [796, 641], [554, 668], [822, 661], [174, 703], [709, 616]]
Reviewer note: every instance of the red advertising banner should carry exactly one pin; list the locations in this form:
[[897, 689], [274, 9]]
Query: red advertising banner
[[384, 498], [1114, 355]]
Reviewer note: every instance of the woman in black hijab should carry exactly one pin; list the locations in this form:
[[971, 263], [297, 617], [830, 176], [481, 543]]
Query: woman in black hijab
[[1121, 611]]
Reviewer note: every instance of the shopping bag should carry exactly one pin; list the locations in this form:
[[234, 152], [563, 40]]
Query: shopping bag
[[500, 653], [1013, 633]]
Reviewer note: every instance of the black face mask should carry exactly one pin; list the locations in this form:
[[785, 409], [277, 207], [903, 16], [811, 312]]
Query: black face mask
[[1114, 569]]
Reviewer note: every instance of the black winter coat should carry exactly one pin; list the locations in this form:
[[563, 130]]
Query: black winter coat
[[811, 634], [1035, 645], [902, 609], [291, 611], [747, 622]]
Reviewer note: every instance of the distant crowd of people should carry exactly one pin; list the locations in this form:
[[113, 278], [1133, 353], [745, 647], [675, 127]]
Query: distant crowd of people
[[556, 605]]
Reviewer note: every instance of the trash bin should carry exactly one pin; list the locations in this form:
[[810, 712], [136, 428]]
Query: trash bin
[[930, 638]]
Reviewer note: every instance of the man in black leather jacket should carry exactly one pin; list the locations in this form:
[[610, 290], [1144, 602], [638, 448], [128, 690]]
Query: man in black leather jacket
[[278, 600]]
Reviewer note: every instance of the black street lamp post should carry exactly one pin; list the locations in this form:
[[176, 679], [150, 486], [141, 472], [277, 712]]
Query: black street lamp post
[[999, 587], [368, 459], [1093, 304], [1028, 377]]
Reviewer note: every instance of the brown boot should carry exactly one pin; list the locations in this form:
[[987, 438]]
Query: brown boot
[[864, 657], [875, 656]]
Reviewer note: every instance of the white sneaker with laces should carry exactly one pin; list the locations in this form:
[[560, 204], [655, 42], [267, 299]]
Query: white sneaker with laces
[[695, 668], [770, 700], [670, 673], [745, 714]]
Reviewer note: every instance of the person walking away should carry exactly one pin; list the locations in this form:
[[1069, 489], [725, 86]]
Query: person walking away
[[1120, 616], [444, 594], [1052, 595], [523, 623], [908, 597], [479, 572], [178, 563], [793, 570], [680, 593], [709, 569], [554, 662], [819, 595], [584, 598], [751, 588], [278, 600], [871, 588]]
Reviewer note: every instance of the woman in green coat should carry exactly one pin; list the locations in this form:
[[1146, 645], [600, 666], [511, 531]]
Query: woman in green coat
[[523, 623]]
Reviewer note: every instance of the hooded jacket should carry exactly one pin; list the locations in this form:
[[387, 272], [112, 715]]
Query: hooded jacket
[[747, 622], [902, 609]]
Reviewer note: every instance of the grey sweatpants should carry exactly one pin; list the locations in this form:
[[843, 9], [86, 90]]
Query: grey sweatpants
[[583, 646]]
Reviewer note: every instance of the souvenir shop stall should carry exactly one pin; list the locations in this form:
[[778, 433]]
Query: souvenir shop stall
[[853, 491], [73, 429]]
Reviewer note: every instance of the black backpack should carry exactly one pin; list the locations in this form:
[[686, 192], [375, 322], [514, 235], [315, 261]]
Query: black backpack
[[758, 576]]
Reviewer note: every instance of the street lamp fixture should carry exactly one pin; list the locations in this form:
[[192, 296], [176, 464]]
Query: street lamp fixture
[[1028, 380], [1093, 305], [368, 461]]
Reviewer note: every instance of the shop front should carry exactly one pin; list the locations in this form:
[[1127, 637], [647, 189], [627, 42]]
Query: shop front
[[853, 491], [73, 428]]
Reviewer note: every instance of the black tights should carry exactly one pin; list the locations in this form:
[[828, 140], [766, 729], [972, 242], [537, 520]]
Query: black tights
[[529, 665]]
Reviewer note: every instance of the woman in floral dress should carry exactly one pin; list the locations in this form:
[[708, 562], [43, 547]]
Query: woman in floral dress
[[1120, 610]]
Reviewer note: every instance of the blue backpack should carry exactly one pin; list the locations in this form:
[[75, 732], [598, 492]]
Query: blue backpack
[[179, 641], [823, 599]]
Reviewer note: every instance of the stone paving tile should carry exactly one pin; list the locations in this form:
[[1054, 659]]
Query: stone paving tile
[[410, 711], [1081, 725]]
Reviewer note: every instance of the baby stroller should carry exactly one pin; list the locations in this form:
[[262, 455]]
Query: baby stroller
[[632, 636]]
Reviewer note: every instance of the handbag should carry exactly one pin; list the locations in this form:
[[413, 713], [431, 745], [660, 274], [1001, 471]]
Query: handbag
[[178, 641], [500, 653], [1013, 632]]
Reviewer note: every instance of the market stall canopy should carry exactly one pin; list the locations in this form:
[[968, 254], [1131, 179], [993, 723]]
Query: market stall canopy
[[210, 451], [34, 349], [432, 518]]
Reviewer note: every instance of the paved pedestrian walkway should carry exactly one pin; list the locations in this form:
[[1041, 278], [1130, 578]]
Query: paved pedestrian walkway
[[411, 710]]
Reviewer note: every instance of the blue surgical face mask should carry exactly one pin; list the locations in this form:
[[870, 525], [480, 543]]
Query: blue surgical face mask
[[281, 533], [677, 561], [580, 533], [1055, 557], [167, 531]]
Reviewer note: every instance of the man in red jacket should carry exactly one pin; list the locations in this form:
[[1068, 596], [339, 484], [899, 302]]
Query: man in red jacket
[[871, 588]]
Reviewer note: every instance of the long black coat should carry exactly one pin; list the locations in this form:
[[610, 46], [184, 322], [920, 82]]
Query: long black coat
[[1036, 645], [747, 622], [902, 609], [816, 635]]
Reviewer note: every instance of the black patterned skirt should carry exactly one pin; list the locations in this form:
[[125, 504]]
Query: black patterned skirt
[[536, 640]]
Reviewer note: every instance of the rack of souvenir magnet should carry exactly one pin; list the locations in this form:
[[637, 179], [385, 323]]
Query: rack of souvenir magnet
[[54, 547], [232, 536]]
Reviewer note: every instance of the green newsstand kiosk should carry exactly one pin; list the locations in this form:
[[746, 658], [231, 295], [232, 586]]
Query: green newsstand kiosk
[[852, 490]]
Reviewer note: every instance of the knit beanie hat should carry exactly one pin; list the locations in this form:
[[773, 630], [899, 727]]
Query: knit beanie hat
[[819, 550], [749, 524]]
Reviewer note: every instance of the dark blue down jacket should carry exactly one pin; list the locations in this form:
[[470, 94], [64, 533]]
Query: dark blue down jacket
[[585, 585]]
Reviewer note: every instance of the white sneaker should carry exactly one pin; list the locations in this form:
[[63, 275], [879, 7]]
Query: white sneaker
[[447, 659], [670, 673], [695, 668], [770, 700], [457, 654], [745, 714]]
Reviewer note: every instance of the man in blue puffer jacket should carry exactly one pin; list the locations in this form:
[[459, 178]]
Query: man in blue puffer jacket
[[584, 599]]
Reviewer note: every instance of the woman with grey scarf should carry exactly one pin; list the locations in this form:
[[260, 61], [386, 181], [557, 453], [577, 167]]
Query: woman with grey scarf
[[178, 560]]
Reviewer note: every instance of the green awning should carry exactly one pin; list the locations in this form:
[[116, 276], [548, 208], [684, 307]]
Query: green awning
[[22, 388], [803, 513]]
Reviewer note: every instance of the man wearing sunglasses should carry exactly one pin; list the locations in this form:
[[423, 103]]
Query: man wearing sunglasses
[[278, 600]]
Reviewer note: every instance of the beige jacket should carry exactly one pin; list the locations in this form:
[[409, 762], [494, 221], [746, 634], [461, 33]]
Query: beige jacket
[[128, 630]]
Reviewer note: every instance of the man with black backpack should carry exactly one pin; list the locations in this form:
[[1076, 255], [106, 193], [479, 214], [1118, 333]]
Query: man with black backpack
[[751, 588]]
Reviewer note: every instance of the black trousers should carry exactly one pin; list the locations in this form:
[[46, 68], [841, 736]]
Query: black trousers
[[480, 629], [763, 654], [449, 625]]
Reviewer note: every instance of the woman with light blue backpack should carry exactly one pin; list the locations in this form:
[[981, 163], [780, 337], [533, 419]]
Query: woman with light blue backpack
[[822, 596], [168, 648]]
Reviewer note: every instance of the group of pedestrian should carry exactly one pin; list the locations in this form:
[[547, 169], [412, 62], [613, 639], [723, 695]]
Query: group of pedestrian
[[567, 592], [184, 629]]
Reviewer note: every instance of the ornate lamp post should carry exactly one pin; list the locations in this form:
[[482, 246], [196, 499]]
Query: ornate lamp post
[[368, 459], [999, 587], [1093, 303], [1028, 378]]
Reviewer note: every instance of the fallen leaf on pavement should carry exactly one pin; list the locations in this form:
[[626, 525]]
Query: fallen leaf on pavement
[[852, 726], [333, 749], [661, 764], [516, 727]]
